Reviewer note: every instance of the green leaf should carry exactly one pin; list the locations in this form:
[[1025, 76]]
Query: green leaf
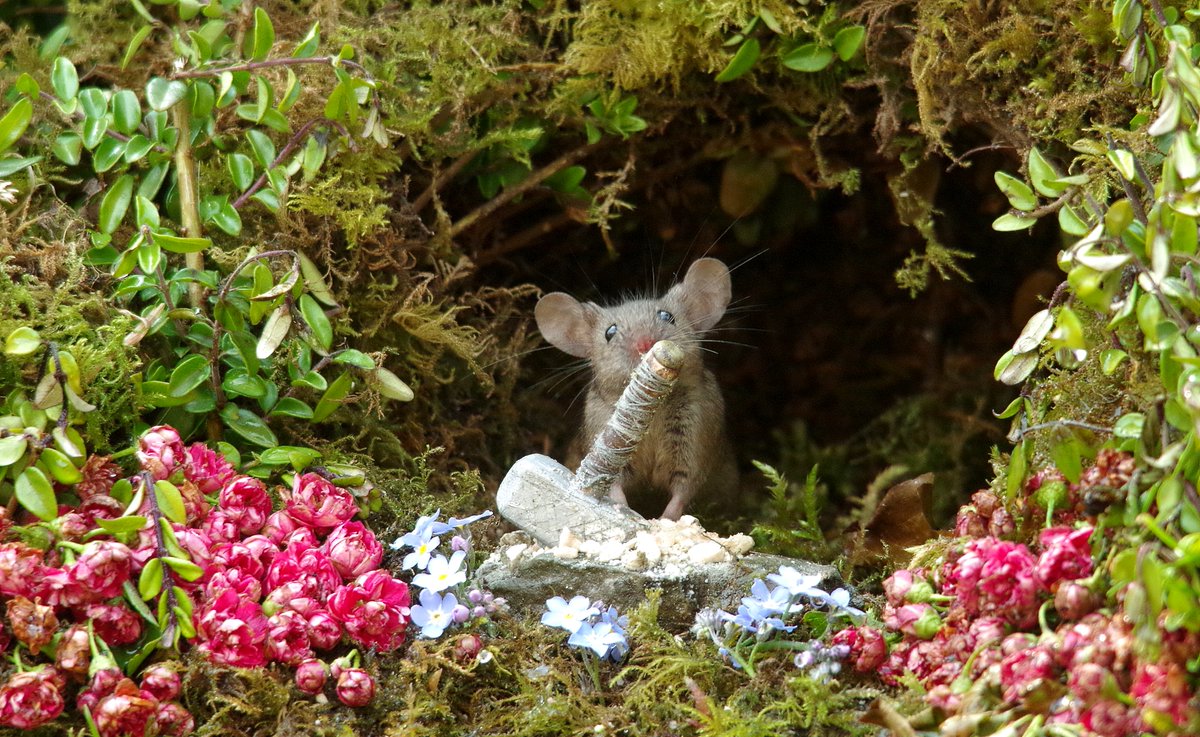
[[1070, 222], [1123, 160], [14, 122], [145, 212], [121, 525], [93, 131], [741, 62], [240, 384], [296, 456], [135, 43], [27, 86], [1129, 426], [314, 156], [1008, 222], [162, 94], [227, 218], [809, 57], [115, 203], [93, 102], [293, 407], [249, 425], [333, 396], [309, 44], [391, 386], [848, 41], [35, 492], [137, 147], [127, 111], [107, 154], [241, 170], [22, 341], [264, 149], [1043, 176], [12, 448], [1011, 410], [264, 35], [317, 321], [176, 244], [186, 569], [314, 281], [14, 164], [170, 501], [1017, 465], [190, 373], [358, 359], [1111, 359], [151, 579], [64, 80], [67, 147], [1018, 192], [59, 466]]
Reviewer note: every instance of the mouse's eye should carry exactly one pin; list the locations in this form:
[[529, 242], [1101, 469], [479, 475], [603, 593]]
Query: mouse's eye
[[666, 316], [610, 333]]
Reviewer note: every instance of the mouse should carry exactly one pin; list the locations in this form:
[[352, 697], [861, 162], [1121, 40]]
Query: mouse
[[686, 449]]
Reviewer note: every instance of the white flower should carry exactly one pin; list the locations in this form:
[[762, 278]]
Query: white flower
[[8, 193], [434, 614], [419, 558], [568, 615], [599, 637], [442, 573], [422, 531]]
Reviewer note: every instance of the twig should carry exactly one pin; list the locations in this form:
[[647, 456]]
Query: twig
[[189, 196], [292, 144], [530, 182], [442, 178], [250, 66], [1063, 423]]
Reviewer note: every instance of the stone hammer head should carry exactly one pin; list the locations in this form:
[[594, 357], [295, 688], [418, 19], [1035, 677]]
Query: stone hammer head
[[537, 496]]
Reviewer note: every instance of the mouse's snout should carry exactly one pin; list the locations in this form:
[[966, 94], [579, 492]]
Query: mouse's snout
[[643, 343]]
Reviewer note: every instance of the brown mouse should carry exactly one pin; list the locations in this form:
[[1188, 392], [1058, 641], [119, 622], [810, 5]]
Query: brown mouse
[[685, 451]]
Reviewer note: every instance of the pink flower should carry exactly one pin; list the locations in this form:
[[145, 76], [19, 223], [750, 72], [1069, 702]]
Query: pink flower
[[287, 640], [30, 699], [1091, 682], [324, 632], [278, 526], [234, 631], [102, 568], [1024, 670], [373, 610], [1072, 600], [245, 502], [240, 556], [207, 469], [126, 711], [317, 503], [300, 539], [1111, 719], [243, 584], [58, 588], [220, 527], [1066, 555], [353, 549], [299, 595], [116, 624], [905, 587], [868, 649], [311, 675], [161, 681], [262, 548], [918, 620], [469, 646], [102, 684], [20, 569], [355, 687], [310, 565], [985, 631], [994, 576], [161, 451], [1163, 688], [71, 526], [195, 543], [172, 720]]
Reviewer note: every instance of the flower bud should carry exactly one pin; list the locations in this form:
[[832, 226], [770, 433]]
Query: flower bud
[[460, 614], [74, 651], [31, 698], [458, 542], [311, 675], [1073, 600], [172, 720], [161, 451], [355, 687], [467, 648], [161, 681], [33, 624]]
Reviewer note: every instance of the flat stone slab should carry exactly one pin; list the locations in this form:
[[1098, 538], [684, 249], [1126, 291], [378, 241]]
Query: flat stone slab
[[528, 580]]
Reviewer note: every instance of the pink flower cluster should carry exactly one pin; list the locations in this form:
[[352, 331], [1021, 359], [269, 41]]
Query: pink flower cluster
[[970, 621], [280, 585], [276, 586]]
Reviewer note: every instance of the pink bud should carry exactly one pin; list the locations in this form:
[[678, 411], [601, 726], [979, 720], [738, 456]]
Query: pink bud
[[102, 568], [116, 624], [74, 653], [125, 711], [311, 675], [355, 687], [31, 698], [207, 469], [460, 614], [467, 648], [161, 451], [278, 526], [244, 500], [161, 681], [317, 503], [1073, 600], [172, 720], [353, 549], [324, 632], [458, 542], [71, 526]]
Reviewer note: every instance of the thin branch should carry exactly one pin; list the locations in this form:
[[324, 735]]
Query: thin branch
[[292, 144], [442, 178], [1064, 423], [529, 183], [250, 66]]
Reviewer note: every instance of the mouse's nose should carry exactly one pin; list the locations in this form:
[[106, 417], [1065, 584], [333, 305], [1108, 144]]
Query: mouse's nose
[[643, 344]]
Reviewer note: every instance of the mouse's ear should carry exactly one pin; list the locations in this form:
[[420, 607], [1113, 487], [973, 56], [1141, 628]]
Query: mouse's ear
[[704, 293], [566, 323]]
